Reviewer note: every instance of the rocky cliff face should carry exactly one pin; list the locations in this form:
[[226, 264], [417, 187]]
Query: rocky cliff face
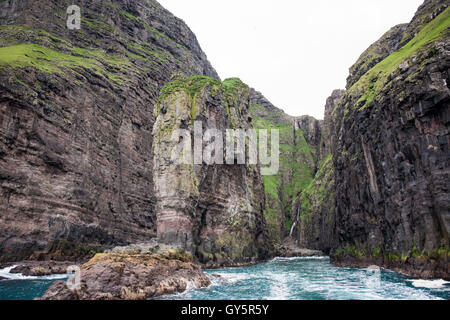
[[214, 210], [78, 169], [299, 199], [373, 185], [86, 123], [391, 147], [316, 204]]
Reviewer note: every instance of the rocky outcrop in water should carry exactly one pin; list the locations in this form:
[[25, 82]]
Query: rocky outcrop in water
[[132, 276], [40, 268], [391, 150], [289, 248]]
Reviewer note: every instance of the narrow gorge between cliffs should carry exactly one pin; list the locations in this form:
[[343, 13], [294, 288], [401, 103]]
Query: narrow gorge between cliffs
[[125, 157]]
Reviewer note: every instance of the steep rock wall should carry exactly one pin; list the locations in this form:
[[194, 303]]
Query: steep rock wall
[[391, 153], [299, 199], [316, 204], [76, 121], [297, 165], [215, 210]]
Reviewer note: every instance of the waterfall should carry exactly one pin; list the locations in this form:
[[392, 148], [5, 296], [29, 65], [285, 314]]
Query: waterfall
[[295, 222]]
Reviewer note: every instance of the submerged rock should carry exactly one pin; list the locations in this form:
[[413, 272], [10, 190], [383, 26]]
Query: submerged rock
[[40, 268], [128, 276], [290, 249]]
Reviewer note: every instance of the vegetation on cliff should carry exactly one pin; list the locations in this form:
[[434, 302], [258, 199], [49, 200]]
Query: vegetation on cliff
[[373, 81], [390, 160], [298, 166]]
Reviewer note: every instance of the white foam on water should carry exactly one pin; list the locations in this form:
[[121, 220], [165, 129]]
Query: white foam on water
[[231, 278], [299, 258], [190, 286], [6, 273], [430, 284], [279, 289]]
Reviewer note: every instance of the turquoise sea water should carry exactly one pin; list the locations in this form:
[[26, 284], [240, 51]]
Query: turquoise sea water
[[281, 279], [314, 279], [19, 287]]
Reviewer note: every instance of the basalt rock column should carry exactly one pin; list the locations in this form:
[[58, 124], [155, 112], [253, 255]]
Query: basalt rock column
[[391, 152], [214, 210]]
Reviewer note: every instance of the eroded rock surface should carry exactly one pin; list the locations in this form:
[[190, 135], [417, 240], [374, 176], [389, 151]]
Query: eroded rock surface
[[214, 210], [391, 153], [129, 276], [41, 268], [76, 121]]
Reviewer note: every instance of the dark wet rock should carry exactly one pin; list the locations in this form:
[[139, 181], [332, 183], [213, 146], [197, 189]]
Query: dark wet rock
[[391, 155], [290, 248], [420, 267], [311, 128], [41, 268]]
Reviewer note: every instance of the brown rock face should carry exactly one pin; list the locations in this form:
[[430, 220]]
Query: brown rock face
[[41, 268], [215, 210], [391, 154], [76, 121], [127, 276]]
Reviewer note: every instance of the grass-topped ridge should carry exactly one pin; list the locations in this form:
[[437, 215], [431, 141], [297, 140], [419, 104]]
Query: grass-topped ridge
[[51, 61], [190, 85], [371, 83], [232, 85]]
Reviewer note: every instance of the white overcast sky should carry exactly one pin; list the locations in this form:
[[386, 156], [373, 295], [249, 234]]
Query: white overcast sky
[[295, 52]]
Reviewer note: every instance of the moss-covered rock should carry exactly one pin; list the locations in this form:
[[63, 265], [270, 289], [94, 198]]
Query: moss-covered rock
[[299, 155], [214, 211]]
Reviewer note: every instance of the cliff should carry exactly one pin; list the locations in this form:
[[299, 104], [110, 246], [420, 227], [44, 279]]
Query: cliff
[[214, 210], [391, 147], [299, 199], [296, 165], [316, 204], [373, 185], [79, 114], [86, 138]]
